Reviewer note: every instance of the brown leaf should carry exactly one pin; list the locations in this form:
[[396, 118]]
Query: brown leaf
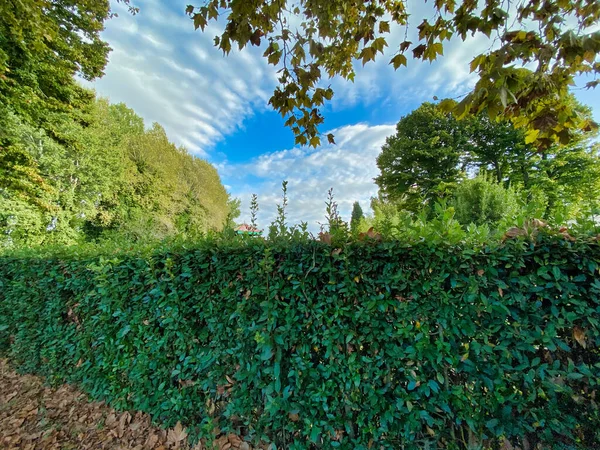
[[234, 440], [294, 417], [579, 336], [222, 443], [123, 421], [325, 237], [513, 233], [176, 435]]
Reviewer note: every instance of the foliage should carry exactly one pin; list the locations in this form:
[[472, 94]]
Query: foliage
[[541, 48], [254, 211], [234, 211], [43, 45], [113, 179], [279, 226], [356, 217], [481, 201], [422, 159], [335, 228], [370, 344]]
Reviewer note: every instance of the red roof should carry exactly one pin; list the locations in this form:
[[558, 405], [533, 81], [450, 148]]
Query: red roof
[[247, 228]]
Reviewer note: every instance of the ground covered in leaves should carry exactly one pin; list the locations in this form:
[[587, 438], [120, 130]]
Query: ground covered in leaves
[[34, 416]]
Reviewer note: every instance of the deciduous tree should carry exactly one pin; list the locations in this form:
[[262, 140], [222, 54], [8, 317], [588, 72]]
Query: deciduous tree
[[423, 158]]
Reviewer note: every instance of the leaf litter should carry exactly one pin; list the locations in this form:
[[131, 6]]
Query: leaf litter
[[34, 416]]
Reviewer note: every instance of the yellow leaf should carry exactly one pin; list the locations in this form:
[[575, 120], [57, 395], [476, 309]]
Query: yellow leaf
[[531, 136]]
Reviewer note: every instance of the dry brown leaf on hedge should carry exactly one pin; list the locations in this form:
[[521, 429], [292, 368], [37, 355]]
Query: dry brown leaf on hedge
[[513, 232], [325, 237], [579, 336], [199, 446], [176, 435]]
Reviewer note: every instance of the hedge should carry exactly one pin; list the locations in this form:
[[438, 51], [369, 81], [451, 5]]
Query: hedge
[[370, 345]]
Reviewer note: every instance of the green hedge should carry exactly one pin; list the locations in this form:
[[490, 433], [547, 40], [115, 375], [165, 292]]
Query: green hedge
[[373, 345]]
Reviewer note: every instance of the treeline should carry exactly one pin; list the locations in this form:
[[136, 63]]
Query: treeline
[[481, 172], [74, 168]]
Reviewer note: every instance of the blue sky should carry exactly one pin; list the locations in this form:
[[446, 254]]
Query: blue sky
[[216, 107]]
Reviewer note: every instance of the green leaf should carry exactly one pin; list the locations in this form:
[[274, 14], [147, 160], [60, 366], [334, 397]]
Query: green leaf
[[398, 60]]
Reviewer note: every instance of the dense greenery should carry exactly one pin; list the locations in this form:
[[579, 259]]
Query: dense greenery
[[538, 48], [74, 168], [432, 153], [366, 345], [481, 201], [113, 180]]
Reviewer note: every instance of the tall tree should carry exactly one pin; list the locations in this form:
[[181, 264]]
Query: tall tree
[[541, 47], [422, 159], [356, 217]]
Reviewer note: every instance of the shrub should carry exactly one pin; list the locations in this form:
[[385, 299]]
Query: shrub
[[369, 345], [482, 201]]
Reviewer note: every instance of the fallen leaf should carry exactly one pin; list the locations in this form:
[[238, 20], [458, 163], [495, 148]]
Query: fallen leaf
[[151, 441], [176, 435]]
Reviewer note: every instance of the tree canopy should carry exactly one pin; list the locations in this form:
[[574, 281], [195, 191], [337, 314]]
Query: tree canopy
[[423, 157], [537, 50]]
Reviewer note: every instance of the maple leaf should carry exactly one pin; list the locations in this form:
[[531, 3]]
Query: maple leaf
[[176, 435]]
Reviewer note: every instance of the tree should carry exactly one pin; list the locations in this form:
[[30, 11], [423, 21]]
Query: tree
[[234, 212], [254, 211], [421, 161], [357, 216], [496, 147], [44, 44], [541, 47]]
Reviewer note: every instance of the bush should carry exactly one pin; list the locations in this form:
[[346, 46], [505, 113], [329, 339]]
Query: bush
[[370, 345], [482, 201]]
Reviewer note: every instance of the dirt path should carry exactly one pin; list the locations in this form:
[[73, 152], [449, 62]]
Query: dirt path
[[37, 417]]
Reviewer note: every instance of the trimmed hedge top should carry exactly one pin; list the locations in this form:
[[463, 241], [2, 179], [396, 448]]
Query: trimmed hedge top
[[373, 345]]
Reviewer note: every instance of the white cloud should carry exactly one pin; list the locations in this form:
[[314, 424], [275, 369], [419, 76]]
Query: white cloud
[[171, 74], [348, 167]]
